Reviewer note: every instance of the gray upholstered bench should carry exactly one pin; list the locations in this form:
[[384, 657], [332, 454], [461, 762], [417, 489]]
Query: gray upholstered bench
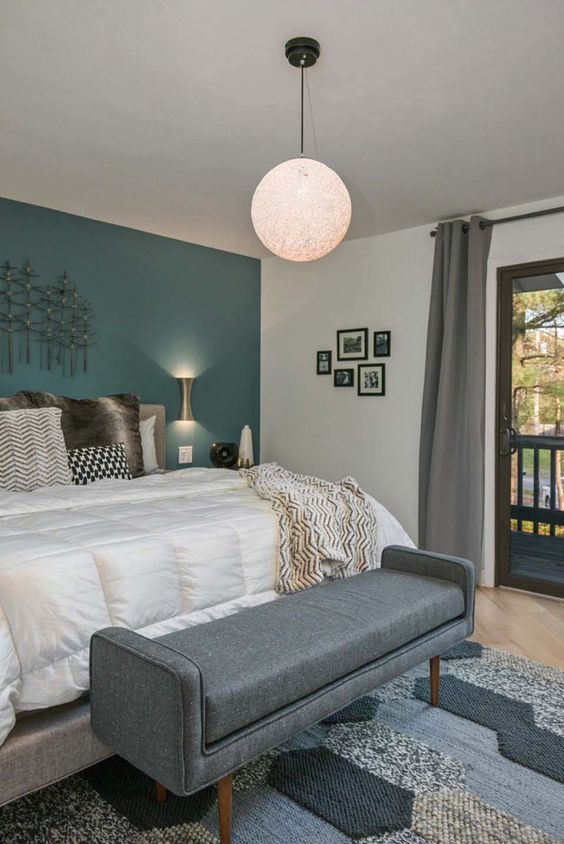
[[190, 707]]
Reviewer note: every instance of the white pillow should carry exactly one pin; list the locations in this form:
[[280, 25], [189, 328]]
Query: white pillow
[[32, 449], [147, 431]]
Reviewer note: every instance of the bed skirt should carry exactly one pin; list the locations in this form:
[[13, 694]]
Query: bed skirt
[[46, 746]]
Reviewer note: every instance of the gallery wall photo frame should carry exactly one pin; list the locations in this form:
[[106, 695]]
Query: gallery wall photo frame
[[352, 344], [371, 379], [343, 378], [324, 362], [382, 344]]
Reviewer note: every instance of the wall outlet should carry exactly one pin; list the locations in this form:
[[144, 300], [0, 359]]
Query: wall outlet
[[185, 454]]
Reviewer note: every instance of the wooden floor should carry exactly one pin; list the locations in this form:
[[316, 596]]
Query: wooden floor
[[521, 623]]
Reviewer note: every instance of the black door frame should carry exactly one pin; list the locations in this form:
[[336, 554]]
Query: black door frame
[[503, 575]]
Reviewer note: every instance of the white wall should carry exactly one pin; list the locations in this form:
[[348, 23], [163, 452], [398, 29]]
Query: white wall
[[307, 424], [384, 283]]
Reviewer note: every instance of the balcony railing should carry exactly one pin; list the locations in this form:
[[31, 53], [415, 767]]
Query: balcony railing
[[536, 499]]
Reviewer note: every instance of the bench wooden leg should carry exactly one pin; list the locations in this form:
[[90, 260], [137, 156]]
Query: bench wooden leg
[[161, 792], [435, 666], [225, 794]]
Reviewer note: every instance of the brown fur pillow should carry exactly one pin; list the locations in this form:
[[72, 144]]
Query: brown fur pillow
[[103, 421], [17, 402]]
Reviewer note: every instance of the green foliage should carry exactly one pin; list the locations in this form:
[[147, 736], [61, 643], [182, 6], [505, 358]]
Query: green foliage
[[538, 359], [543, 530]]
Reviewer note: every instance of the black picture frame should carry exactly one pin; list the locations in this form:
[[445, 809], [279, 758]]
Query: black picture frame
[[377, 390], [324, 365], [358, 335], [382, 348], [340, 380]]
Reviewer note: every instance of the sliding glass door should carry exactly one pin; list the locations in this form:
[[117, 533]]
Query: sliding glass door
[[530, 429]]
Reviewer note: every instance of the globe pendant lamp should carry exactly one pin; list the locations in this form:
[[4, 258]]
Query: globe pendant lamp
[[301, 209]]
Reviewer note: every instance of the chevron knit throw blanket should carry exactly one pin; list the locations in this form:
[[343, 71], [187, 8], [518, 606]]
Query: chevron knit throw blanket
[[326, 530]]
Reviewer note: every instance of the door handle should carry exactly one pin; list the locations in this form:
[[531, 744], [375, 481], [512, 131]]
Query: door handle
[[505, 451], [513, 440]]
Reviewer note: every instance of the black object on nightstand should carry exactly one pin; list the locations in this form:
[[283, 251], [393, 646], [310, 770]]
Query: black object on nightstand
[[224, 455]]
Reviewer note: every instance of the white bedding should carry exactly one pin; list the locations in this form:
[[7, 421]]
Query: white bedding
[[154, 554]]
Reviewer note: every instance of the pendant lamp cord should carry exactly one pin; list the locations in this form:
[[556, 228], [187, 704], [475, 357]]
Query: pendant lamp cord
[[302, 111]]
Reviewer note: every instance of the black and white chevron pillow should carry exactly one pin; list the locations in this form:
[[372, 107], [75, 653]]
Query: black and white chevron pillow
[[97, 462], [32, 449]]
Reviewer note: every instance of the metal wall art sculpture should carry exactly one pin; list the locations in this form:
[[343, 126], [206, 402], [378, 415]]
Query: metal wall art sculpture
[[56, 316]]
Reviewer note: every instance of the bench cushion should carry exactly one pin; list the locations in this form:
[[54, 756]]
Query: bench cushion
[[259, 660]]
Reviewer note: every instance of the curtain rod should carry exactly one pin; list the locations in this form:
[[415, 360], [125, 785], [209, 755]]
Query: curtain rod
[[485, 224]]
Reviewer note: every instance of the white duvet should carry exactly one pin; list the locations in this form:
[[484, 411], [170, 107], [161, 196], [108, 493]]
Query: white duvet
[[154, 554]]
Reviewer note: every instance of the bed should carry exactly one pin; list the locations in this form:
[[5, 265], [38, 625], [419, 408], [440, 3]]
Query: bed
[[155, 554]]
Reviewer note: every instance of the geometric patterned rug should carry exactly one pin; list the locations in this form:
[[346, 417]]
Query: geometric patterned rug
[[486, 767]]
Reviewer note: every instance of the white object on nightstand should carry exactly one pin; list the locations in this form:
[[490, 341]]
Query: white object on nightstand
[[185, 454], [246, 447]]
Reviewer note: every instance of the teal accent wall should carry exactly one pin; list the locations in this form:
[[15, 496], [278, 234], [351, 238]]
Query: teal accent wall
[[161, 308]]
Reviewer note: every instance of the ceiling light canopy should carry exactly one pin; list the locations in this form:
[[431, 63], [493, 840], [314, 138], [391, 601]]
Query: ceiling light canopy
[[301, 209]]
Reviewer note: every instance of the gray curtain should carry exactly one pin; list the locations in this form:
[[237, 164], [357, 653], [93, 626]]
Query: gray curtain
[[451, 457]]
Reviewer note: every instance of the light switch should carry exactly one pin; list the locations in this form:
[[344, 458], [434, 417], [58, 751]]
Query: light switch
[[185, 454]]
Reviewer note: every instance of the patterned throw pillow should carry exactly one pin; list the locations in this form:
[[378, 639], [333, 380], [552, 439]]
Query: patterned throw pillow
[[32, 450], [96, 462], [89, 422]]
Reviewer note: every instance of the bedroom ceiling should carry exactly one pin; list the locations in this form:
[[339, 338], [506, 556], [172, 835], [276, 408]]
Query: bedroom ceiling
[[164, 116]]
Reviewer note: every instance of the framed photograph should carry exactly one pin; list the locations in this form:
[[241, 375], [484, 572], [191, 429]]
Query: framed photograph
[[352, 344], [382, 344], [343, 378], [324, 363], [372, 379]]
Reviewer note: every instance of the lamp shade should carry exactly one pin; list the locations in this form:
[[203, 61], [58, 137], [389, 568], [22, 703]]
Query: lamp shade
[[185, 387], [301, 210]]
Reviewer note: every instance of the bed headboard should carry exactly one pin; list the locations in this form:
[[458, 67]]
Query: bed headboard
[[158, 410]]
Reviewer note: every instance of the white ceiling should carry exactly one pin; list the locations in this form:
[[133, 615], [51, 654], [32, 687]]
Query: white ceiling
[[164, 114]]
